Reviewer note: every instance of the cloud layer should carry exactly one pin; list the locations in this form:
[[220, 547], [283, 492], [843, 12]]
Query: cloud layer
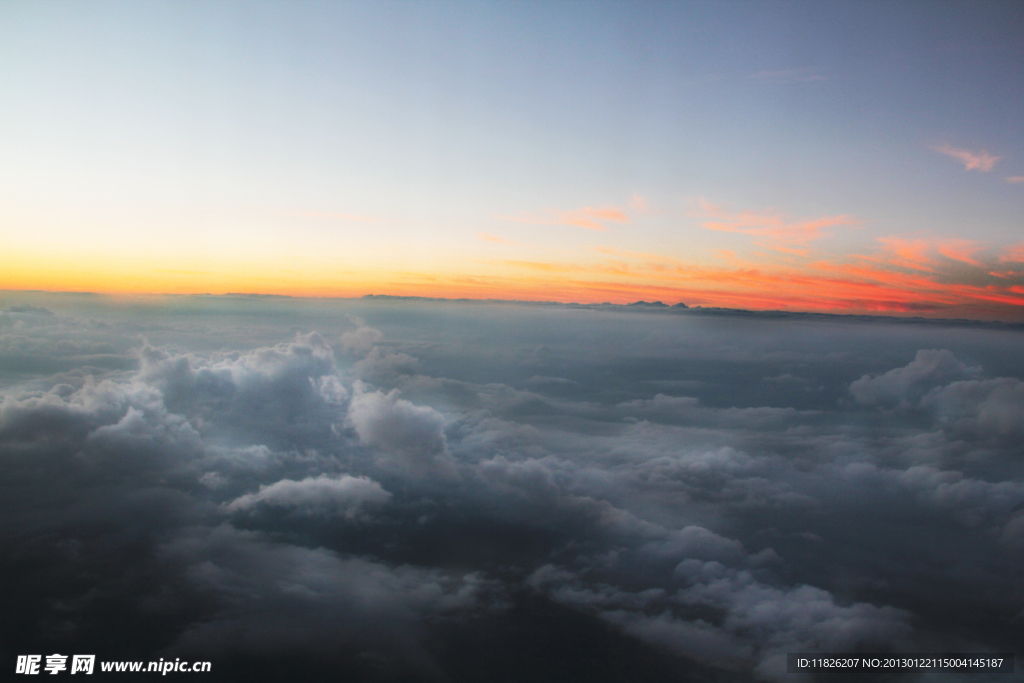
[[425, 491]]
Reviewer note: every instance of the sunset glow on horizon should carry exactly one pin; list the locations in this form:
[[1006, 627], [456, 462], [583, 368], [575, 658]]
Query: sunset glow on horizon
[[573, 153]]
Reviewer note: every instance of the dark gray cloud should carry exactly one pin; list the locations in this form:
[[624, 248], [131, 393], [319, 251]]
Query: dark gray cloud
[[353, 487], [282, 598]]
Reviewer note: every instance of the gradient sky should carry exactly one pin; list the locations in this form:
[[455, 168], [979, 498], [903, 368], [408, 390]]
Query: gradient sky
[[848, 157]]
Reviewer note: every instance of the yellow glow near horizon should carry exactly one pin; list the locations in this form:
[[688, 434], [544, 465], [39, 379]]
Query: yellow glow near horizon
[[782, 267], [851, 286]]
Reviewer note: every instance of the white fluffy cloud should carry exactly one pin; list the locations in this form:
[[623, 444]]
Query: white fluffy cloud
[[406, 435], [981, 408], [324, 494], [906, 385], [755, 621], [361, 339]]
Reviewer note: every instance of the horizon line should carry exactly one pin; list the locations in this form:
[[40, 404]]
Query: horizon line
[[640, 305]]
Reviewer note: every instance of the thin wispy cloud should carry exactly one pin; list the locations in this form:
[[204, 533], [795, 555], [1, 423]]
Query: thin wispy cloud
[[961, 250], [776, 230], [336, 216], [547, 267], [612, 251], [1013, 254], [589, 217], [1016, 179], [932, 255], [939, 257], [911, 253], [497, 240], [972, 161]]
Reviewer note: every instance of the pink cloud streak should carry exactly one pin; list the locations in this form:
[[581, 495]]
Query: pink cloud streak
[[972, 161], [779, 234], [586, 217]]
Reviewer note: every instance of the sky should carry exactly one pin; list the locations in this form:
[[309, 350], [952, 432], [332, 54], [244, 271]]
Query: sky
[[392, 490], [860, 157]]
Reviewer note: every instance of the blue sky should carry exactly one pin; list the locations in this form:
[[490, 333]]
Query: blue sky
[[240, 137]]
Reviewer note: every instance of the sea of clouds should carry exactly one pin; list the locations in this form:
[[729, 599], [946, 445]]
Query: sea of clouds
[[442, 491]]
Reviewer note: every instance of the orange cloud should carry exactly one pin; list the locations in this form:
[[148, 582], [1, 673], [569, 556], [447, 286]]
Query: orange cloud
[[498, 240], [972, 161], [1013, 254], [540, 265], [906, 253], [909, 276], [336, 216], [961, 250], [780, 234], [638, 203], [586, 217], [921, 253]]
